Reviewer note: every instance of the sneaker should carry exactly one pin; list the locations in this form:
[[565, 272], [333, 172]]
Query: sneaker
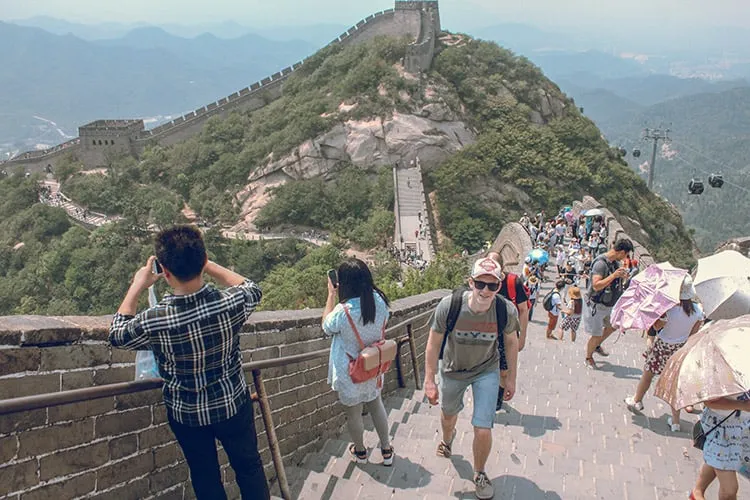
[[358, 456], [632, 403], [387, 454], [600, 351], [675, 427], [484, 489], [500, 398]]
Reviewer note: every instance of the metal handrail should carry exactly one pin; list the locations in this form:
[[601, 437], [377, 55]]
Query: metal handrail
[[28, 403]]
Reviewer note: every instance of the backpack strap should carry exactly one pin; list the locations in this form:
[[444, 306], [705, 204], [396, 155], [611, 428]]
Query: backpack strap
[[501, 316], [354, 328], [455, 309]]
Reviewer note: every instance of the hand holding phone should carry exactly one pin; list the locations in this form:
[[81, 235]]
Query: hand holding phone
[[156, 268], [333, 278]]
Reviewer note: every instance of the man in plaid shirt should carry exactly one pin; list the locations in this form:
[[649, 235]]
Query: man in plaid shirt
[[194, 335]]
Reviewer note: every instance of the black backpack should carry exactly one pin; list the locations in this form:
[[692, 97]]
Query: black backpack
[[457, 298], [609, 295], [547, 301]]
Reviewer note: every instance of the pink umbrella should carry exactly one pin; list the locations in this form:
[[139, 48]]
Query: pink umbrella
[[569, 216], [651, 293]]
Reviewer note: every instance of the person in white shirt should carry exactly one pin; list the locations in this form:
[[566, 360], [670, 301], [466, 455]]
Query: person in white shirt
[[674, 328], [554, 314]]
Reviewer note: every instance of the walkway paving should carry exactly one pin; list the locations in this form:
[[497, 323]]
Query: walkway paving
[[77, 212], [566, 435], [412, 212]]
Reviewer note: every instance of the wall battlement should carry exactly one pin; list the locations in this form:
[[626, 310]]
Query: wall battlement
[[418, 19]]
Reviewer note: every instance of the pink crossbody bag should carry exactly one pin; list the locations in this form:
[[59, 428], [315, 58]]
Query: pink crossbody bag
[[373, 360]]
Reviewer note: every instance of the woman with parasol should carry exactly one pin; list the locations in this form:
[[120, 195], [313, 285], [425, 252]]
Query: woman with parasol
[[673, 329]]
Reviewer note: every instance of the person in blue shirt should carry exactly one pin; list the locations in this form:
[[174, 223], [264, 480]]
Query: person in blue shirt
[[356, 302]]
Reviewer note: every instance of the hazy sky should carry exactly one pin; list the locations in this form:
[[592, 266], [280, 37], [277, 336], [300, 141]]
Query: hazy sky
[[457, 14]]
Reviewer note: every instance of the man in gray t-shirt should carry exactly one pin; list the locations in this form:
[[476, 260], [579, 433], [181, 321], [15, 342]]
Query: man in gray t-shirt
[[471, 359], [595, 316]]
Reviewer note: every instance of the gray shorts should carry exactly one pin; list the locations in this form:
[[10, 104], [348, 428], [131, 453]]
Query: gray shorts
[[595, 318]]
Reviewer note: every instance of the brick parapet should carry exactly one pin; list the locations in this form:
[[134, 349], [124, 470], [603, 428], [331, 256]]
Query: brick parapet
[[107, 447]]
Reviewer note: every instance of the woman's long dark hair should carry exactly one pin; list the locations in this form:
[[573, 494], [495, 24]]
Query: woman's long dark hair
[[687, 306], [355, 280]]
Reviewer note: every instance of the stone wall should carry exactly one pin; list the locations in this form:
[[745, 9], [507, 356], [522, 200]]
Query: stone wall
[[122, 447]]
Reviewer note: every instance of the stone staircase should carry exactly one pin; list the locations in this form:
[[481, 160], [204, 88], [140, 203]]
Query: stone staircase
[[411, 204], [565, 435], [57, 199]]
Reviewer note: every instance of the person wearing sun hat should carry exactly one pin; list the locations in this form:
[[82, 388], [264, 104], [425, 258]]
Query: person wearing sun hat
[[673, 330], [468, 354]]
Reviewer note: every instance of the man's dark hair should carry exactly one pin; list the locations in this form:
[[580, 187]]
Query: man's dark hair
[[623, 245], [181, 250], [560, 284]]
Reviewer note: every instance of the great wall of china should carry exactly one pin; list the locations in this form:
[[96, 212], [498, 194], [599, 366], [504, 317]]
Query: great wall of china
[[101, 139]]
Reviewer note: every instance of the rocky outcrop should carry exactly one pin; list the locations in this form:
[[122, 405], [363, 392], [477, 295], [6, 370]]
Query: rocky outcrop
[[433, 135]]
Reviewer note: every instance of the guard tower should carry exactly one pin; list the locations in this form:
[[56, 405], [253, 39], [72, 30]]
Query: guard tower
[[420, 54], [104, 139]]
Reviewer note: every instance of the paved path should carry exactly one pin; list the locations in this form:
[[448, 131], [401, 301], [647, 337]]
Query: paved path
[[566, 435], [412, 212], [77, 212]]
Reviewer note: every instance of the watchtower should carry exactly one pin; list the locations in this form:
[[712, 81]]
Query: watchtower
[[103, 139]]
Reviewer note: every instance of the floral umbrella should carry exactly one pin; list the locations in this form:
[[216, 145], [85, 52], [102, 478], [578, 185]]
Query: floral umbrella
[[714, 363], [650, 294]]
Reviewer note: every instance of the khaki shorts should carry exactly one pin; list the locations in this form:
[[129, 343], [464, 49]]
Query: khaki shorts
[[595, 318]]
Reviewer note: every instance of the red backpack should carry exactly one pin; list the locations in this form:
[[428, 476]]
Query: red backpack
[[511, 282]]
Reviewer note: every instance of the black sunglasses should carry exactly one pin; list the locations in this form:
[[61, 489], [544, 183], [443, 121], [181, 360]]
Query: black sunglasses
[[492, 287]]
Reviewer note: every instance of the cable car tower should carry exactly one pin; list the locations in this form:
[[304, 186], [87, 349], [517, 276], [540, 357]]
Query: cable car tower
[[656, 135]]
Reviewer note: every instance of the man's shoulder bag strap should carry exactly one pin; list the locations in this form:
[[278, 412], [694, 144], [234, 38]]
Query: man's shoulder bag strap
[[457, 298]]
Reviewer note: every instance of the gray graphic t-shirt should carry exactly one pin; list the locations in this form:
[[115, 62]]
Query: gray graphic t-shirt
[[472, 346]]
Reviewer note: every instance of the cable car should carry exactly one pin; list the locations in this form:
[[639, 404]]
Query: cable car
[[716, 180], [696, 186], [636, 153], [623, 151]]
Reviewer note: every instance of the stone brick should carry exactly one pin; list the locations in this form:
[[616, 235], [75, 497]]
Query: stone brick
[[123, 422], [135, 490], [8, 448], [123, 446], [80, 410], [167, 455], [67, 488], [16, 422], [138, 399], [55, 437], [106, 376], [159, 413], [19, 359], [74, 356], [16, 387], [261, 354], [175, 493], [155, 436], [168, 477], [74, 460], [122, 356], [10, 338], [77, 379], [18, 476], [124, 470], [36, 330]]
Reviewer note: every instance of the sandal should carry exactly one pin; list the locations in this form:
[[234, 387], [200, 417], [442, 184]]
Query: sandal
[[591, 364], [444, 449], [358, 456], [387, 454]]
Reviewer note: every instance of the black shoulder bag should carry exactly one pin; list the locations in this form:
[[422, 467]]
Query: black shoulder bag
[[699, 437]]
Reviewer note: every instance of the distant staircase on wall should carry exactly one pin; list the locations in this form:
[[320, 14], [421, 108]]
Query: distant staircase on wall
[[413, 228]]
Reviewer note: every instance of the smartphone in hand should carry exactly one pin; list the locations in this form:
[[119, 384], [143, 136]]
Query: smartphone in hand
[[333, 277], [156, 268]]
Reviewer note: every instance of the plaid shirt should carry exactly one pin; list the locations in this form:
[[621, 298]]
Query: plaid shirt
[[197, 347]]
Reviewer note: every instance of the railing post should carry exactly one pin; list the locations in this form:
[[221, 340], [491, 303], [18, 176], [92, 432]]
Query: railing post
[[273, 442], [414, 362]]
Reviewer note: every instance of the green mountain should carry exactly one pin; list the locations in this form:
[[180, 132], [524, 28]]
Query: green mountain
[[710, 133], [524, 146]]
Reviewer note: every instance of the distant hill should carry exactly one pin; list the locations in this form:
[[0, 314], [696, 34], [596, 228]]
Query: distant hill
[[711, 133], [148, 72]]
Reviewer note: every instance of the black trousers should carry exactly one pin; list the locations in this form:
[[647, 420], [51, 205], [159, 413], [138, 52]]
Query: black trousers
[[237, 436]]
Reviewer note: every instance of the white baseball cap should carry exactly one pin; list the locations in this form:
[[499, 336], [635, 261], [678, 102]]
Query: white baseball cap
[[487, 266]]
